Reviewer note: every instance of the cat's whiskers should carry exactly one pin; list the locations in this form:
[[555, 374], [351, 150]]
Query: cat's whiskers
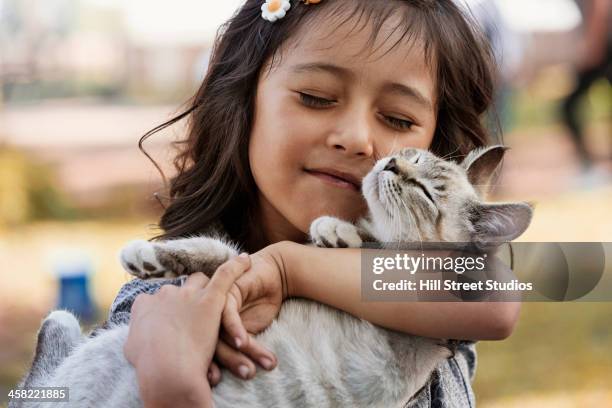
[[398, 222], [398, 202], [384, 199], [395, 216], [413, 223], [392, 148], [391, 201], [449, 156]]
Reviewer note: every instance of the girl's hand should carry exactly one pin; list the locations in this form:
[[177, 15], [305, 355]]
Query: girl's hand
[[253, 303], [169, 343]]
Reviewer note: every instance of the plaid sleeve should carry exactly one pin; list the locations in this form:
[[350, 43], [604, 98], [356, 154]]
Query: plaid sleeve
[[450, 385], [122, 305]]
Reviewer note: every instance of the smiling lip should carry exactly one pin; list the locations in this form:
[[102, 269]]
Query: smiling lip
[[337, 178]]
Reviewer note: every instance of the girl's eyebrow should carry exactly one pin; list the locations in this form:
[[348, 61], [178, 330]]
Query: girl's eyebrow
[[323, 67], [410, 92], [341, 72]]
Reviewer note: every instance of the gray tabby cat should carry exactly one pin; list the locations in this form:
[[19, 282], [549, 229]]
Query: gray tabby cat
[[412, 196]]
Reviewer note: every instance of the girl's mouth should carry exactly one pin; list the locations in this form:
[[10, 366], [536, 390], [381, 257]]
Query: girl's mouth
[[335, 178]]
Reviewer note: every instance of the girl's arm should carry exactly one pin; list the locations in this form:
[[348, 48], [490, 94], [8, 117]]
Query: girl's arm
[[333, 277]]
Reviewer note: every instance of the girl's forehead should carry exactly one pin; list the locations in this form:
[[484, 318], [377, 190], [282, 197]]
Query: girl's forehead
[[358, 40], [389, 55]]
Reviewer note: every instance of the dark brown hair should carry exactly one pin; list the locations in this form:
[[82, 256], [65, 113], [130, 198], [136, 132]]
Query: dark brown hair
[[214, 185]]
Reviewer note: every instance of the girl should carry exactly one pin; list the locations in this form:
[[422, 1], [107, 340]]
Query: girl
[[291, 115]]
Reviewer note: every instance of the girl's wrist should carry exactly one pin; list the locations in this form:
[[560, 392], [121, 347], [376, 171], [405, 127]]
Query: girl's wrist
[[285, 255], [187, 390], [194, 398], [163, 380]]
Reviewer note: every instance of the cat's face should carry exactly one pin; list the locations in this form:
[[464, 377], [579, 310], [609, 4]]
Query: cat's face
[[413, 193], [417, 196]]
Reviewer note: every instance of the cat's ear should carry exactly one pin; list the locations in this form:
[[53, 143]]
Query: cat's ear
[[480, 165], [500, 222]]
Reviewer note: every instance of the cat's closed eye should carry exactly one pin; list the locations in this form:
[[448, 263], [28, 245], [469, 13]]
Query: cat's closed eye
[[422, 188]]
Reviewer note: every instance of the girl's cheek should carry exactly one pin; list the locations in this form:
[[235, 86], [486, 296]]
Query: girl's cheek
[[297, 138], [295, 118]]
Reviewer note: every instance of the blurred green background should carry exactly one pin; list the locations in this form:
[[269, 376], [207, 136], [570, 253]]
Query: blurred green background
[[82, 80]]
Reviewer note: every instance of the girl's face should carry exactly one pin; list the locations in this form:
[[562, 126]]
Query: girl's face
[[324, 113]]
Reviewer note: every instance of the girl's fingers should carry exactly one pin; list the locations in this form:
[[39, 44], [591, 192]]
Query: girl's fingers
[[232, 323], [235, 361], [214, 374], [226, 274], [257, 353], [196, 280]]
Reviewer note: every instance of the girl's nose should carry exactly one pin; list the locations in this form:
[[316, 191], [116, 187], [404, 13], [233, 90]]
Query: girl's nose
[[353, 136]]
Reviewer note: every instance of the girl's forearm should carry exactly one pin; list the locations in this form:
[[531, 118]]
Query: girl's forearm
[[333, 277]]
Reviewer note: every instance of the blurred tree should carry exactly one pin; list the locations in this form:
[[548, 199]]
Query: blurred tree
[[14, 205], [28, 190]]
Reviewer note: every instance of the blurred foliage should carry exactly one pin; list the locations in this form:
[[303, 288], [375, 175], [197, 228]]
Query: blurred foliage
[[556, 347], [102, 91], [123, 202], [28, 192], [541, 107], [20, 92]]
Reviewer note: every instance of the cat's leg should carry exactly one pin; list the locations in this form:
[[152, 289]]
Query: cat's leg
[[175, 257], [332, 232], [97, 373], [59, 334]]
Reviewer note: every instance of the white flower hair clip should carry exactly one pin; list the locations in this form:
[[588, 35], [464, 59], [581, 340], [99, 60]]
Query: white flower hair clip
[[273, 10]]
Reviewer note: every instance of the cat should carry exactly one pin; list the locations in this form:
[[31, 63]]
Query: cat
[[413, 196]]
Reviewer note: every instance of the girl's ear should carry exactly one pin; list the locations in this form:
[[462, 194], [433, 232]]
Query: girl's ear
[[497, 223], [480, 165]]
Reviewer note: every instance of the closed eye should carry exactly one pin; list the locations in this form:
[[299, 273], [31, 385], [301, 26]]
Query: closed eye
[[400, 124], [423, 188], [318, 102], [315, 101]]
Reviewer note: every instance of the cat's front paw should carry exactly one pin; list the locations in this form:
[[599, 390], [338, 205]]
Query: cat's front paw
[[139, 258], [331, 232]]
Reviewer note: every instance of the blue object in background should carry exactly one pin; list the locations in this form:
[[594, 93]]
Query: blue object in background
[[74, 296], [73, 274]]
